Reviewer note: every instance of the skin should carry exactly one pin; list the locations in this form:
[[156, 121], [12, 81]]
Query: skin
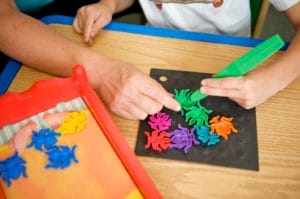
[[260, 84], [91, 18], [247, 91], [19, 141], [121, 86]]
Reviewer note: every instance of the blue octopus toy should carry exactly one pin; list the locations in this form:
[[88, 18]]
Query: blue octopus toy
[[60, 157], [206, 138], [12, 168], [45, 137]]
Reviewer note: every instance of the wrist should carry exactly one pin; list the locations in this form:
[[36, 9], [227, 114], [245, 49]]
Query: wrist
[[111, 4], [95, 65]]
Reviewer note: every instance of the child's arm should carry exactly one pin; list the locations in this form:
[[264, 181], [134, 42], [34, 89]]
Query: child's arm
[[263, 82], [121, 86], [91, 18]]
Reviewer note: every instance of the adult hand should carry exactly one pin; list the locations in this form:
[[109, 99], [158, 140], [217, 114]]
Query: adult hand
[[248, 91], [129, 92], [90, 19]]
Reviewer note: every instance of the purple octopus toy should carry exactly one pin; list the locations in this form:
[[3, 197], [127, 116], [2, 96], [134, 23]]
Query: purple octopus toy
[[183, 138]]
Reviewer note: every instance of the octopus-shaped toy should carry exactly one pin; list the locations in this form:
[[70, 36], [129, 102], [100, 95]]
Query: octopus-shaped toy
[[60, 157], [160, 121], [183, 97], [73, 122], [45, 137], [12, 168], [197, 115], [206, 138], [223, 127], [183, 138], [158, 141]]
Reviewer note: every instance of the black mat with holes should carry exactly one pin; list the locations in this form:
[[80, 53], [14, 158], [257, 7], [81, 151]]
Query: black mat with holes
[[239, 151]]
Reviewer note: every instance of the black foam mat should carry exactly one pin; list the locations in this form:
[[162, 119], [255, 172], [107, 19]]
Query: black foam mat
[[239, 151]]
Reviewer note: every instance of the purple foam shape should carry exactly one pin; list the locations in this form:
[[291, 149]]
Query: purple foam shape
[[183, 138]]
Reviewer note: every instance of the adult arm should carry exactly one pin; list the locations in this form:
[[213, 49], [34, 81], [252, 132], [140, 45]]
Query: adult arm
[[263, 82], [122, 87]]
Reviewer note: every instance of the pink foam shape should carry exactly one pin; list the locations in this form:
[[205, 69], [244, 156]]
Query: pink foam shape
[[55, 119], [160, 121], [19, 141]]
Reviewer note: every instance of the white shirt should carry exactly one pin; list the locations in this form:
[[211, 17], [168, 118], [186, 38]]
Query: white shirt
[[233, 17], [283, 5]]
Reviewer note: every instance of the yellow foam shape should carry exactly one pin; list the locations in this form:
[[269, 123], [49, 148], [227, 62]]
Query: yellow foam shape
[[135, 194], [4, 147], [74, 122]]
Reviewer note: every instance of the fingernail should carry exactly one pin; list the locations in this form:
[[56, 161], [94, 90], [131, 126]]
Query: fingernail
[[178, 107], [203, 90], [90, 42]]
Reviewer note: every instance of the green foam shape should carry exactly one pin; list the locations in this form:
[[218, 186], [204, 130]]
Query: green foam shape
[[246, 62]]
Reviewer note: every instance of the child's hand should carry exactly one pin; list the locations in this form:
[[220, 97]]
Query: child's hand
[[248, 91], [90, 19]]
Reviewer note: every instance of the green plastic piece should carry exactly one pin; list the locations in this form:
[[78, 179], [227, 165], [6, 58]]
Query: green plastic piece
[[246, 62], [183, 97], [197, 115]]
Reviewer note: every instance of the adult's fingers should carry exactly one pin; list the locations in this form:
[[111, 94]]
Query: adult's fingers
[[157, 92], [129, 110], [147, 104]]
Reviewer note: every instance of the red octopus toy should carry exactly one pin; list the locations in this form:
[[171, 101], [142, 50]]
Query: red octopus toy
[[158, 141]]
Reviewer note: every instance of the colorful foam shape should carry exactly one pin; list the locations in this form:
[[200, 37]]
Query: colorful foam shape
[[239, 151], [45, 138], [12, 168]]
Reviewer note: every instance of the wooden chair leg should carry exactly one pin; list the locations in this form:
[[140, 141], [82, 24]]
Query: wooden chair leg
[[261, 18]]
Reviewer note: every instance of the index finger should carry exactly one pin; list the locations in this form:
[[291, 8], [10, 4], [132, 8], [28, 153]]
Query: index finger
[[88, 26], [157, 92]]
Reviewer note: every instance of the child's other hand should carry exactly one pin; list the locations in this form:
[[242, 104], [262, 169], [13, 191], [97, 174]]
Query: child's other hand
[[90, 19], [248, 91]]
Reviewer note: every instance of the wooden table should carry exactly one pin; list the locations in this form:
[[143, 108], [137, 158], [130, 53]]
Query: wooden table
[[278, 119]]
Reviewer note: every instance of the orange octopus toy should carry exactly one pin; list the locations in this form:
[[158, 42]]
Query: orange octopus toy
[[222, 127]]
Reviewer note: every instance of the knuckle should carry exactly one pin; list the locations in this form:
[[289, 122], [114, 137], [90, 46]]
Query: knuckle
[[155, 109], [248, 102], [115, 102], [113, 107], [131, 80], [222, 83], [143, 116], [88, 9], [80, 10]]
